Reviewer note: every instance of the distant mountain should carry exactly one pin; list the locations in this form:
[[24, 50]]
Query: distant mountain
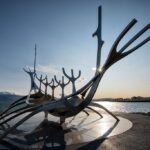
[[7, 98], [132, 99], [7, 93]]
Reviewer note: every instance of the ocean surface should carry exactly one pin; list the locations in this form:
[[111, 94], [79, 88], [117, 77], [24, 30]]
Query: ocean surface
[[115, 106], [127, 106]]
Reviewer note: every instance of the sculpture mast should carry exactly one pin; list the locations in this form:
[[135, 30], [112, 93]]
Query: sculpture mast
[[99, 38], [35, 61]]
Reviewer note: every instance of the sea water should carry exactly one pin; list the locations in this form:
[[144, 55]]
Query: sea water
[[127, 106], [117, 106]]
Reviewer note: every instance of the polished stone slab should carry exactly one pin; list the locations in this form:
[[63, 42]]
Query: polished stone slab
[[76, 130]]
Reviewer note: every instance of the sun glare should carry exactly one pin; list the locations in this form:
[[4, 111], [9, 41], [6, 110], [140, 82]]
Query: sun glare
[[99, 69]]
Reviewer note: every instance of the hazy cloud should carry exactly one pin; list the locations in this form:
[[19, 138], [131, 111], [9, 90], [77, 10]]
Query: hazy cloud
[[48, 69]]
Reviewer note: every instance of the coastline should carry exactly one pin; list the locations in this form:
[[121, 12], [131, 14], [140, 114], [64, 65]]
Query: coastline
[[122, 100]]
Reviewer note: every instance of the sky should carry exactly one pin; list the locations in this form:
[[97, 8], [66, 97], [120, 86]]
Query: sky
[[62, 30]]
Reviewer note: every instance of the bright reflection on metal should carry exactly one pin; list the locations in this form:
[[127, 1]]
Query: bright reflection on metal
[[100, 69]]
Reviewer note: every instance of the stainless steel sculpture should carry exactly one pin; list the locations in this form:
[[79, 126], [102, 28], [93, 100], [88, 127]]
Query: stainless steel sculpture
[[71, 105], [53, 86], [72, 78]]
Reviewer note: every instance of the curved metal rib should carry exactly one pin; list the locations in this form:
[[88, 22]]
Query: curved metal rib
[[17, 124], [115, 56], [7, 111], [13, 105], [122, 34], [94, 111], [102, 107], [136, 47], [17, 103], [15, 111], [134, 38], [86, 112], [18, 114]]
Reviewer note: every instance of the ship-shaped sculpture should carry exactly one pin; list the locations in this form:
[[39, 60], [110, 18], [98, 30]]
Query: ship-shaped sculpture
[[73, 104]]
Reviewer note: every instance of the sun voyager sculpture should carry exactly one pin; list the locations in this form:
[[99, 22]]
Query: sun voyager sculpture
[[69, 106]]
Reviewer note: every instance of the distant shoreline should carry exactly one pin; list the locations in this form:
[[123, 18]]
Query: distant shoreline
[[109, 100]]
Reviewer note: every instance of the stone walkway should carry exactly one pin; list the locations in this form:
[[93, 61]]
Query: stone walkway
[[137, 138]]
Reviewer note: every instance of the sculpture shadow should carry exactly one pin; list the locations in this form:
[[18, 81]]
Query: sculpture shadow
[[47, 135], [93, 145]]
